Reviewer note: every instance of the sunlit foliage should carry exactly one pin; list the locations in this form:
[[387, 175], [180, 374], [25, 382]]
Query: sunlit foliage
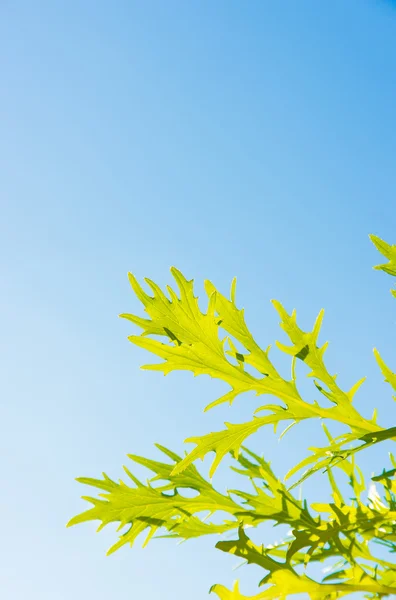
[[346, 529]]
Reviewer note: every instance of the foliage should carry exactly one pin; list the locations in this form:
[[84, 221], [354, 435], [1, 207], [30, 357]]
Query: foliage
[[344, 532]]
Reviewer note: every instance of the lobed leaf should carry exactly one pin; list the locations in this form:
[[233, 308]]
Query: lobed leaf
[[389, 252], [145, 507], [193, 343]]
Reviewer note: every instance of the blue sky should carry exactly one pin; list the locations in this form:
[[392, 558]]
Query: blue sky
[[255, 139]]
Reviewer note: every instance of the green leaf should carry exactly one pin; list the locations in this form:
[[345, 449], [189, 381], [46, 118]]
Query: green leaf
[[145, 507], [285, 583], [389, 252], [244, 548], [305, 347], [193, 342], [273, 500], [338, 451], [224, 442], [389, 376]]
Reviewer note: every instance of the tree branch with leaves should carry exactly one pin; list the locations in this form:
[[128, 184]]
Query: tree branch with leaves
[[344, 530]]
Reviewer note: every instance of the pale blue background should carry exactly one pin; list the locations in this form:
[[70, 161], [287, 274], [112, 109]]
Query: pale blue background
[[255, 139]]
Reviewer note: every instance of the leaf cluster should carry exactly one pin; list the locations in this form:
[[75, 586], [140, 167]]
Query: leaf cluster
[[178, 502]]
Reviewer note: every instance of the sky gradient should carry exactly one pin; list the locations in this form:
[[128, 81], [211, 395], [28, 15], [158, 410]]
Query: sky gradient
[[255, 139]]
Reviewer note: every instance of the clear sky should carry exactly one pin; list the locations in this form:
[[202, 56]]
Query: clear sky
[[255, 139]]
